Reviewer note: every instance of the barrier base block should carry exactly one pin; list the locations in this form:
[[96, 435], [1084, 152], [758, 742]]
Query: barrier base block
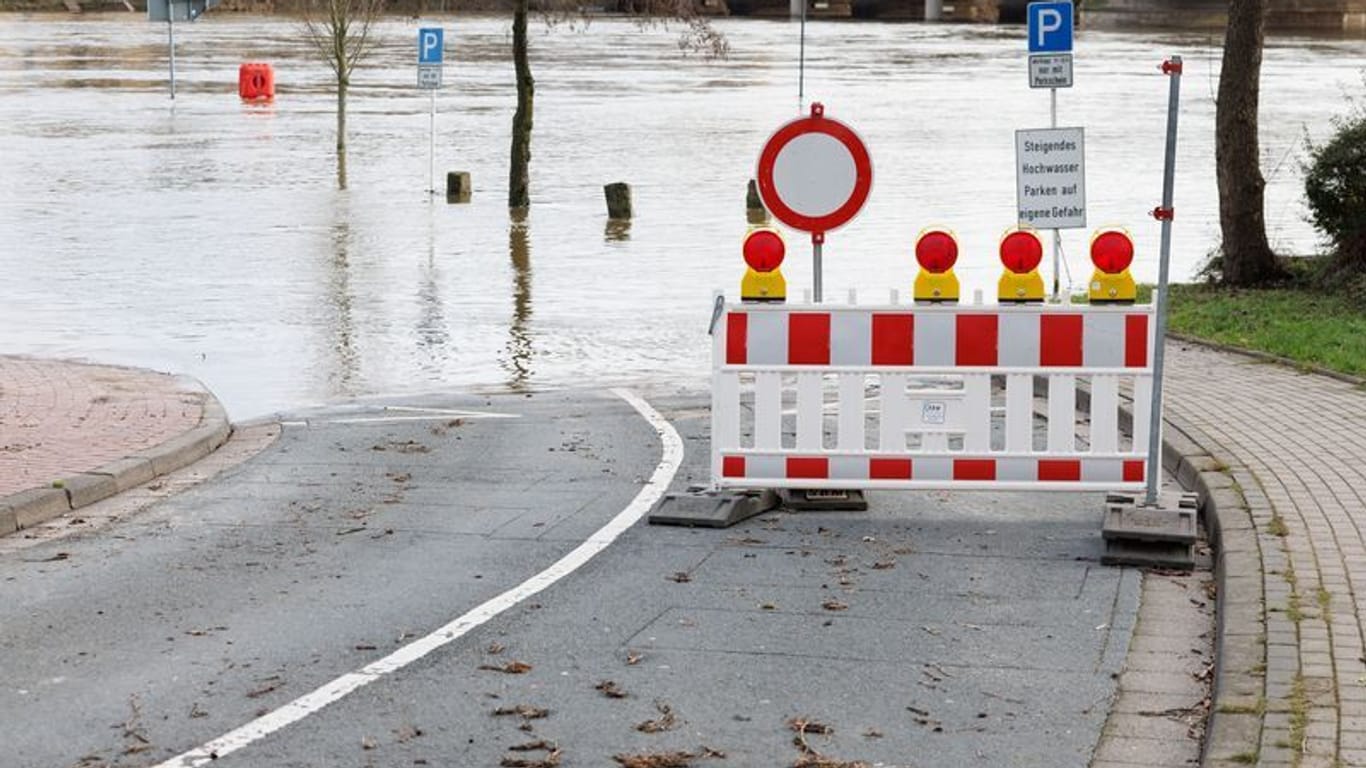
[[1159, 535], [1154, 554], [711, 509], [805, 500]]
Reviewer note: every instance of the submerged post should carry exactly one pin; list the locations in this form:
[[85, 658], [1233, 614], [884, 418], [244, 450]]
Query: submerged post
[[1165, 213]]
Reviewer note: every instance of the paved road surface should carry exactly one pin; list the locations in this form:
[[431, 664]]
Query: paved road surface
[[934, 629]]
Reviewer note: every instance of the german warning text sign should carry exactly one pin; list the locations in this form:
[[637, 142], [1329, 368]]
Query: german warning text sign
[[1050, 174]]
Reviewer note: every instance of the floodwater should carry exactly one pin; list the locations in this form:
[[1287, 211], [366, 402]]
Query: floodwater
[[207, 237]]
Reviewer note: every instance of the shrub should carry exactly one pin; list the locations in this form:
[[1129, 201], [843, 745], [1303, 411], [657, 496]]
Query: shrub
[[1335, 185]]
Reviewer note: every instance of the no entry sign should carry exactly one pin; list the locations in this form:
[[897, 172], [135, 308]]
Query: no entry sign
[[814, 173]]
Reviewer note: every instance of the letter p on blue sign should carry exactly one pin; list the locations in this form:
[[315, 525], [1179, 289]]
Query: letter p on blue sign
[[1050, 27], [429, 45]]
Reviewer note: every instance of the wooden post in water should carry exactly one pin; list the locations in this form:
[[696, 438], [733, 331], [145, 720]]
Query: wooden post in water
[[618, 200], [458, 187]]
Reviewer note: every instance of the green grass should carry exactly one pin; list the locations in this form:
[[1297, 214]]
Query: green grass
[[1299, 324]]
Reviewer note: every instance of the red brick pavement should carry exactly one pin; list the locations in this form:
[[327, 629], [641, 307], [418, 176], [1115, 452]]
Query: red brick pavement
[[58, 418]]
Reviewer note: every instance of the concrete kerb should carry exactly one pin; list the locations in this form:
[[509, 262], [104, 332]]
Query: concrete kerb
[[1233, 733], [37, 505]]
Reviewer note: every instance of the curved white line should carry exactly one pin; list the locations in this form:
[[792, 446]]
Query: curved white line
[[327, 693]]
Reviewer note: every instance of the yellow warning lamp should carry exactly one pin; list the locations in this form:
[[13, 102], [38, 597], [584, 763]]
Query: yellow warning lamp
[[763, 281], [1112, 251], [1021, 251], [937, 251]]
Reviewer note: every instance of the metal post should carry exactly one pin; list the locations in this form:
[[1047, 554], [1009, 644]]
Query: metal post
[[170, 32], [817, 240], [1172, 68], [801, 61], [934, 10], [1057, 234], [431, 153]]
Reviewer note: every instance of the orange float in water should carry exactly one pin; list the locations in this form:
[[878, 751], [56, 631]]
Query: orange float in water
[[256, 81]]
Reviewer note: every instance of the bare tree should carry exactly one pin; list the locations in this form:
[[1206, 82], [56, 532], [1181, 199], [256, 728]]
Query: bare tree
[[698, 36], [1246, 256], [339, 30]]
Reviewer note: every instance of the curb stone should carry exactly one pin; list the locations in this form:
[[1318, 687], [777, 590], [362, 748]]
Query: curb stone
[[1233, 733], [37, 505]]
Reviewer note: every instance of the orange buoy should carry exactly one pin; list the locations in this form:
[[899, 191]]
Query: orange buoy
[[256, 81]]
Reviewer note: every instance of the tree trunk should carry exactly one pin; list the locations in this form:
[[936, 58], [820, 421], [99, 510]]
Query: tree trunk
[[519, 177], [1247, 258], [341, 133]]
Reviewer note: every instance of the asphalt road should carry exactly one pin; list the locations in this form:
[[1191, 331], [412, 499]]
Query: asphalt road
[[933, 630]]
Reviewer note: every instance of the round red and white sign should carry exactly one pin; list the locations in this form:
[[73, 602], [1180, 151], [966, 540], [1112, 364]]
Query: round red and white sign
[[814, 173]]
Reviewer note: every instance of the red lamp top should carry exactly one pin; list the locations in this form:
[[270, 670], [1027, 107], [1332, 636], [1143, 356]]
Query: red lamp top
[[1112, 251], [936, 250], [1021, 251], [764, 250]]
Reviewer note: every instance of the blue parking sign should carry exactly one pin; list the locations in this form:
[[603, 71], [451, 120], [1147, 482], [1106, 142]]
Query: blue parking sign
[[429, 45], [1050, 27]]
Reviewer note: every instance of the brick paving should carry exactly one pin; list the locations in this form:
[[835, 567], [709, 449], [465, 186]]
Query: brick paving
[[1295, 445], [59, 418]]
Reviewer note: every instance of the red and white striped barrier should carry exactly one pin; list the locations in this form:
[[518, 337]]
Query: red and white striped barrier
[[929, 396]]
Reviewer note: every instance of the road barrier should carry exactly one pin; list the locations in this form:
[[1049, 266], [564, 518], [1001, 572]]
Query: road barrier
[[929, 396]]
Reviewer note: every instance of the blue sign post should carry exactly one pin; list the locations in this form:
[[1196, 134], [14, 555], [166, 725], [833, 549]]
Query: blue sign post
[[429, 45], [1050, 27], [1050, 66]]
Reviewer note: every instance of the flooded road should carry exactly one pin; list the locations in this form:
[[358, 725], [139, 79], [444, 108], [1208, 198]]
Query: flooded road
[[205, 236]]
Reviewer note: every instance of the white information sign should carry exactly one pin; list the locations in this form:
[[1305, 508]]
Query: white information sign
[[1050, 70], [429, 76], [1050, 175]]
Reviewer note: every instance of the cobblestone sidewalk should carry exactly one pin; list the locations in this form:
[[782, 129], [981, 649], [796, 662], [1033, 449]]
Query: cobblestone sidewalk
[[60, 418], [1294, 445]]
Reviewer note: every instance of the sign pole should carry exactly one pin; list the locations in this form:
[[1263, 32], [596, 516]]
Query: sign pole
[[170, 33], [1057, 233], [1172, 68], [431, 149], [817, 242], [801, 63]]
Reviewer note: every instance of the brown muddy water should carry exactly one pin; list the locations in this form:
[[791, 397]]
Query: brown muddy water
[[205, 236]]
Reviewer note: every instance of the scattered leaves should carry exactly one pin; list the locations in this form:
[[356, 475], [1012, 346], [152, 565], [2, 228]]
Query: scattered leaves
[[551, 760], [656, 760], [883, 565], [834, 605], [406, 733], [523, 711], [513, 667], [610, 689], [265, 686], [533, 746], [681, 577], [665, 722], [495, 648], [368, 742], [872, 733], [802, 727], [633, 658], [821, 761]]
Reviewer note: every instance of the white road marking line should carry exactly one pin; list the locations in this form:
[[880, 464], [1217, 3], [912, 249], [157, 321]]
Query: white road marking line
[[334, 690]]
